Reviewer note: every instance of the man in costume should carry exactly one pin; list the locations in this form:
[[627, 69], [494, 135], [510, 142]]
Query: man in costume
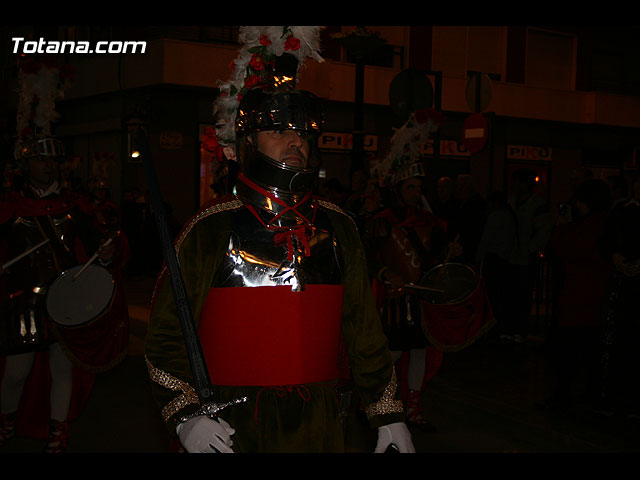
[[534, 228], [408, 241], [46, 369], [279, 287], [405, 241], [620, 393], [36, 212]]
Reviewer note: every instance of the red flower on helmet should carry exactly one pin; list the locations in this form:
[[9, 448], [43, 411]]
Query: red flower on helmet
[[251, 81], [292, 43], [210, 144], [256, 62], [264, 40]]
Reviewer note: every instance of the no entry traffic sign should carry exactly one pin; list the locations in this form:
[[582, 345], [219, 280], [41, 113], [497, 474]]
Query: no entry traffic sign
[[475, 131]]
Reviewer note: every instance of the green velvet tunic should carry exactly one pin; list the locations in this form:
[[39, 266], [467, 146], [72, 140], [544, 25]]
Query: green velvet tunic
[[296, 418]]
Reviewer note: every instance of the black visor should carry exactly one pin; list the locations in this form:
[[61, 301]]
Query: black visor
[[289, 110], [46, 147]]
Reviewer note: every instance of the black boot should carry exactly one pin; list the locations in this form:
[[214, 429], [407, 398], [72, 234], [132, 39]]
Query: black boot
[[414, 413], [58, 437]]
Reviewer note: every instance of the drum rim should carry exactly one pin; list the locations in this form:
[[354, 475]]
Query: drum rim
[[458, 264], [105, 309]]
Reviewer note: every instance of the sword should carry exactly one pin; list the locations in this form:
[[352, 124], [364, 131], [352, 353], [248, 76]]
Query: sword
[[22, 255], [203, 384]]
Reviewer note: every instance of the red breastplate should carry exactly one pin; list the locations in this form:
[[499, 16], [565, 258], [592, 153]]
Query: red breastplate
[[262, 336]]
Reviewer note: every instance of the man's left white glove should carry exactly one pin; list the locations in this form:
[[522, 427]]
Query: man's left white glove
[[205, 435], [395, 434]]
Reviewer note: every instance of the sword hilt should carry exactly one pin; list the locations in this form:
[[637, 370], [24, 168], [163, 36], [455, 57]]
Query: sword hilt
[[211, 409]]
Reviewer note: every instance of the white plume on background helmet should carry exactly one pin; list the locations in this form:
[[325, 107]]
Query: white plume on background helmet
[[406, 146]]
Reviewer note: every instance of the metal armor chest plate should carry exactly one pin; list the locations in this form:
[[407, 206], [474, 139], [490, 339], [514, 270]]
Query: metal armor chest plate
[[255, 259]]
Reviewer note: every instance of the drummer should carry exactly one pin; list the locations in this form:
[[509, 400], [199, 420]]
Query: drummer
[[405, 240], [34, 353]]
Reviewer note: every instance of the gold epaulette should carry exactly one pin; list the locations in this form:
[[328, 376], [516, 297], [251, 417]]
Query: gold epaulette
[[207, 210], [332, 206]]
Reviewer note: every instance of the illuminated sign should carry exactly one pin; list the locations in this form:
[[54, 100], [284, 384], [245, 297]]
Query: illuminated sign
[[448, 148], [344, 141], [525, 152]]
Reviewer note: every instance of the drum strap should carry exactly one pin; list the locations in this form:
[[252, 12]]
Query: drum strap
[[409, 223], [45, 236], [417, 244]]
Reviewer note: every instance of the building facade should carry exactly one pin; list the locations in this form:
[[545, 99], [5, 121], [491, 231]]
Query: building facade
[[551, 98]]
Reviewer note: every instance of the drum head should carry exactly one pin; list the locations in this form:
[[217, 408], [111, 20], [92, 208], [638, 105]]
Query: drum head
[[76, 302], [456, 281]]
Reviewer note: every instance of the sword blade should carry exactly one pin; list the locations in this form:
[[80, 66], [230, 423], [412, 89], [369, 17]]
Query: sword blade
[[202, 380], [24, 254]]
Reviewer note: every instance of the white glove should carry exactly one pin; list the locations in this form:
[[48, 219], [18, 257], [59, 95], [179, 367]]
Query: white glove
[[205, 435], [397, 434]]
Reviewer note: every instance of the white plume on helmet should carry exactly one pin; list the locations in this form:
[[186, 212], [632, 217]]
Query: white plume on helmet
[[267, 42], [406, 147]]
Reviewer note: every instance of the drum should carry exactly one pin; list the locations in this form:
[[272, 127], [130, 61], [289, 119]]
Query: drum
[[77, 302], [449, 283], [455, 306]]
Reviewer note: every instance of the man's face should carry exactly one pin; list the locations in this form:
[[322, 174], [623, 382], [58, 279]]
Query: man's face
[[42, 171], [410, 192], [287, 146]]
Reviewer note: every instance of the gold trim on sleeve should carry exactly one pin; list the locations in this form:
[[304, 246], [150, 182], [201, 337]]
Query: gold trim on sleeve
[[164, 379], [387, 403]]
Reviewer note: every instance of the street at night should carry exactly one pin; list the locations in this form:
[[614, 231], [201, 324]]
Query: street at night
[[443, 219]]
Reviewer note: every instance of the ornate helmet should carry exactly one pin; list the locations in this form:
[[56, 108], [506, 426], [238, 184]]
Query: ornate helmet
[[403, 160], [39, 147], [260, 110], [411, 170], [42, 81], [261, 97]]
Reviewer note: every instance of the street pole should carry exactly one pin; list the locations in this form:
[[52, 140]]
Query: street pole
[[437, 105], [478, 107], [358, 118]]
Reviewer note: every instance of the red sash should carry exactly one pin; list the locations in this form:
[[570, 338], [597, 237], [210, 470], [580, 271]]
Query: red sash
[[264, 336]]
